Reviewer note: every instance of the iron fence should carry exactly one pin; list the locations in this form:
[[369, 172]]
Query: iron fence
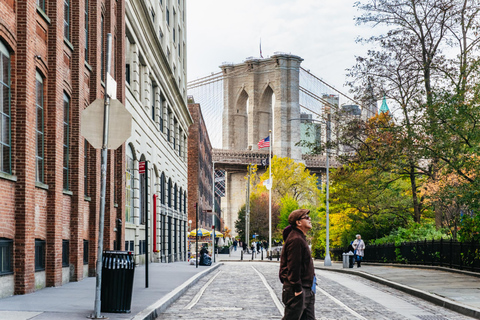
[[444, 253]]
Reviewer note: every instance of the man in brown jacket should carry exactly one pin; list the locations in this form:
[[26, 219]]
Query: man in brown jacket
[[296, 268]]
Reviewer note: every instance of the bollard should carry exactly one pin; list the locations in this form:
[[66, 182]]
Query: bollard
[[278, 256], [253, 253], [241, 255], [262, 255]]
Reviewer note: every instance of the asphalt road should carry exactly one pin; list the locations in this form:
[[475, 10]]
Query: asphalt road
[[251, 290]]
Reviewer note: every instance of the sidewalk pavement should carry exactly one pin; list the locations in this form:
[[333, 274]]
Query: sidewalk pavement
[[76, 300]]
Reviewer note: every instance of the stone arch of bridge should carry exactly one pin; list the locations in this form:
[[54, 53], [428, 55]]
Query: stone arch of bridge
[[240, 121]]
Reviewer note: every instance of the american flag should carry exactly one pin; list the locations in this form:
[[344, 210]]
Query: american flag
[[264, 143]]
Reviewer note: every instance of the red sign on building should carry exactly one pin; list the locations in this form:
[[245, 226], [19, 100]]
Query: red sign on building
[[141, 167]]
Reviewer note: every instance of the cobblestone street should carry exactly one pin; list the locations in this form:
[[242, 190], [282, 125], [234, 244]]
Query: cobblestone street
[[251, 290]]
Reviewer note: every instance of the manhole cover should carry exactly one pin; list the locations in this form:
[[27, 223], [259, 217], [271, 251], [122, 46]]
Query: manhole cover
[[434, 317]]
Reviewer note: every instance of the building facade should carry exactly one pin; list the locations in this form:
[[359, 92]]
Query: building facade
[[155, 67], [53, 57], [200, 174]]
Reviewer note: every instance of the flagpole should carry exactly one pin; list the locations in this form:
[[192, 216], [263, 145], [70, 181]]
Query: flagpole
[[270, 194]]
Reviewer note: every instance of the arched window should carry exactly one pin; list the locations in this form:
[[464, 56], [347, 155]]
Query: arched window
[[180, 200], [5, 124], [184, 201], [169, 193], [39, 130], [162, 188], [129, 181], [175, 197]]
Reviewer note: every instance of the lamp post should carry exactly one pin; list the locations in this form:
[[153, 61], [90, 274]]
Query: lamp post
[[328, 261]]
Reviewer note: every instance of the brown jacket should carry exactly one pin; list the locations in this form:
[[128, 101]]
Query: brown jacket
[[296, 264]]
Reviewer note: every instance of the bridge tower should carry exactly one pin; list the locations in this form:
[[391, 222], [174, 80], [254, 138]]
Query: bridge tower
[[262, 95], [259, 95]]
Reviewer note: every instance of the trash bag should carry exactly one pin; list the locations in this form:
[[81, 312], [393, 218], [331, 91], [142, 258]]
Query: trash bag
[[207, 261]]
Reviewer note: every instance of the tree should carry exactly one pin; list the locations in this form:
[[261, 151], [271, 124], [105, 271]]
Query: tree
[[240, 223], [291, 179]]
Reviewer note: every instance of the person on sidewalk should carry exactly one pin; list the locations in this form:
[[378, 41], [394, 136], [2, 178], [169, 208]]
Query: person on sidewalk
[[296, 269], [359, 247], [235, 245]]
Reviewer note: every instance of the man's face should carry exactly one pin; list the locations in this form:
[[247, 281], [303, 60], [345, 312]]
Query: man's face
[[304, 223]]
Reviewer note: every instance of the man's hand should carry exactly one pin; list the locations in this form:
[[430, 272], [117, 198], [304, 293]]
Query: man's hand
[[298, 293]]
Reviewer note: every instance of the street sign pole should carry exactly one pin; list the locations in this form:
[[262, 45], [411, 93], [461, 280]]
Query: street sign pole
[[103, 187]]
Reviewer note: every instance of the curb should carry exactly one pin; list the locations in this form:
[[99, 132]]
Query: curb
[[153, 311], [443, 302]]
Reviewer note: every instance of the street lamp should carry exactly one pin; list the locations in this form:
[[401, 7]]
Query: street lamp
[[328, 261]]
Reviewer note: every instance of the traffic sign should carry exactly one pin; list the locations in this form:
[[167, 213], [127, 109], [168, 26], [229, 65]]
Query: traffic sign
[[120, 124]]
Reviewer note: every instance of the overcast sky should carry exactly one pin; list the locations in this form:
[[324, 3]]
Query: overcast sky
[[322, 32]]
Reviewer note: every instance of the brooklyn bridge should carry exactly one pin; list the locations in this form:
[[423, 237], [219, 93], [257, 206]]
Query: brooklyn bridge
[[246, 102]]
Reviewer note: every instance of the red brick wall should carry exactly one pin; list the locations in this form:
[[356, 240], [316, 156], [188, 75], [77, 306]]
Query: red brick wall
[[36, 42]]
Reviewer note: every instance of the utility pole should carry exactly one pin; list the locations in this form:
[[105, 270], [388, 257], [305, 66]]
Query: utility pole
[[328, 261]]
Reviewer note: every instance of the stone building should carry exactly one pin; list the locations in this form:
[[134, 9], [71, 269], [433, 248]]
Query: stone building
[[53, 57], [200, 173], [155, 87]]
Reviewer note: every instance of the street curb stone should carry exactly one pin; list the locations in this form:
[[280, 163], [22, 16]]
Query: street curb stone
[[154, 310]]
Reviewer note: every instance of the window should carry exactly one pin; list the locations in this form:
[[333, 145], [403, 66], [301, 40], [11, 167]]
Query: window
[[39, 131], [169, 193], [5, 137], [85, 168], [175, 197], [162, 105], [102, 50], [152, 88], [66, 19], [173, 31], [6, 256], [129, 180], [175, 125], [39, 255], [180, 200], [86, 30], [180, 135], [169, 114], [168, 15], [162, 188], [66, 141], [65, 253], [41, 5], [85, 252], [184, 201], [127, 73]]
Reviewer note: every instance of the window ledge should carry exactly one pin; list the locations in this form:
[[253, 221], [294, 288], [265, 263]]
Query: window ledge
[[41, 185], [68, 43], [43, 15], [87, 198], [68, 192], [88, 66], [8, 176], [115, 205]]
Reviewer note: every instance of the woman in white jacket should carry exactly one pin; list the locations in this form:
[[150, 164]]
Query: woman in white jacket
[[359, 247]]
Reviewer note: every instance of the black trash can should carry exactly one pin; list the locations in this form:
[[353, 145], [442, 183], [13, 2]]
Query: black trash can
[[117, 281], [351, 261]]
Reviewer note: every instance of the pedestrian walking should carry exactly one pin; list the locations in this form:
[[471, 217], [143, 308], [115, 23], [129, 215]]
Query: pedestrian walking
[[296, 269], [252, 246], [244, 247], [359, 246], [259, 247], [235, 245]]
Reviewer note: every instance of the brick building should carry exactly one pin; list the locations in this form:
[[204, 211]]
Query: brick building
[[200, 173], [156, 97], [53, 57]]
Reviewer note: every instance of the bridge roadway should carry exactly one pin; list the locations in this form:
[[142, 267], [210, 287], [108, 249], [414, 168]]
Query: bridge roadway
[[238, 161], [251, 290]]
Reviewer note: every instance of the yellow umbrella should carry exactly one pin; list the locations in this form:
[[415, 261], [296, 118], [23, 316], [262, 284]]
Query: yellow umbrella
[[200, 232], [218, 234]]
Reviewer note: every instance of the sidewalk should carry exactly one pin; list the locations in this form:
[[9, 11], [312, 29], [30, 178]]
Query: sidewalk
[[76, 300], [453, 289]]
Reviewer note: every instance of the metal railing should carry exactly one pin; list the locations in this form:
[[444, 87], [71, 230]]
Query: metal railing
[[444, 253]]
